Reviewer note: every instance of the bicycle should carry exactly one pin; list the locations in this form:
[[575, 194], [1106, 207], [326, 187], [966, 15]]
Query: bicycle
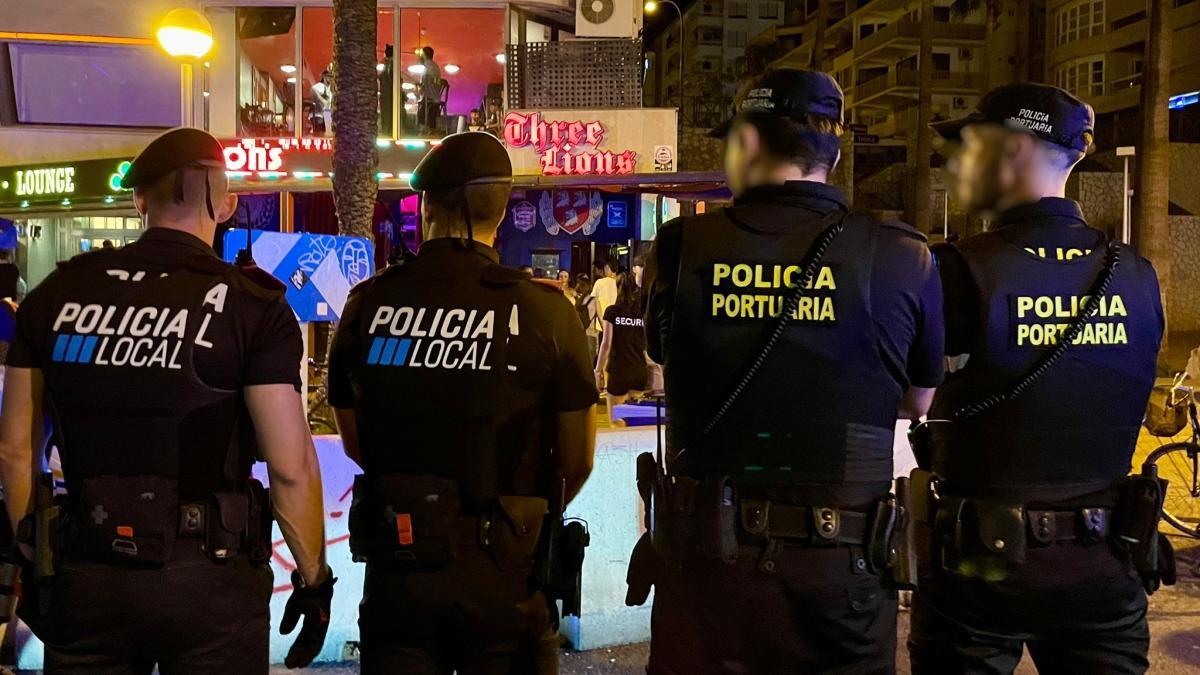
[[320, 414], [1178, 461]]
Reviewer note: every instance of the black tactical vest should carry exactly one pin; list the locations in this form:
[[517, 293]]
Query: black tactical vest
[[125, 395], [1073, 431], [820, 415], [435, 380]]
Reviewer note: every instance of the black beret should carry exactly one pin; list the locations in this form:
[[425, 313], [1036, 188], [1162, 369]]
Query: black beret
[[469, 158], [173, 150]]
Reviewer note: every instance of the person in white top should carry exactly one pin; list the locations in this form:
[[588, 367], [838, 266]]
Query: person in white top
[[605, 288]]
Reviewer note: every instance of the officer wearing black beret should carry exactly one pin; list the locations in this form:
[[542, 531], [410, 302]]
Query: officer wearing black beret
[[465, 392], [792, 335], [160, 365], [1055, 330]]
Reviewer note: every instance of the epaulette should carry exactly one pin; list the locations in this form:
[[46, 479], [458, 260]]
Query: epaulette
[[547, 284], [262, 278], [261, 281]]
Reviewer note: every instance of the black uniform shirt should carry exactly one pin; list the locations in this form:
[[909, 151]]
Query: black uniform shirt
[[481, 409], [1052, 227], [259, 331], [904, 307], [627, 361]]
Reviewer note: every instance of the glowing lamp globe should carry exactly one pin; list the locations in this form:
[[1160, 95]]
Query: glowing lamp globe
[[651, 7], [185, 34]]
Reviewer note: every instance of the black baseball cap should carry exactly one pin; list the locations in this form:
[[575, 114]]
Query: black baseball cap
[[469, 158], [789, 93], [1050, 113], [173, 150]]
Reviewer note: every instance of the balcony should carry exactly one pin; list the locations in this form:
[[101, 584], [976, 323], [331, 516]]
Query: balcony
[[900, 86], [904, 37], [900, 123]]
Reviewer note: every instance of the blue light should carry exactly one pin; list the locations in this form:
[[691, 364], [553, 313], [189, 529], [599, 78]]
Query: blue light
[[1183, 100]]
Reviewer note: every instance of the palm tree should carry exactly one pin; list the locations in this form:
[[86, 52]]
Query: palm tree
[[1152, 232], [817, 62], [918, 205], [355, 115]]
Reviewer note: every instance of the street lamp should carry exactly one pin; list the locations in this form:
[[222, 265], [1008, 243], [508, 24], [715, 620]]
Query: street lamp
[[187, 36], [651, 7]]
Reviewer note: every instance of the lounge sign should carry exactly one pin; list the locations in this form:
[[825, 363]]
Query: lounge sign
[[607, 143], [64, 183]]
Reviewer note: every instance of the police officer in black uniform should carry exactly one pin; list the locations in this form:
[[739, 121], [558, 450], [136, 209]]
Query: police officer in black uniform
[[162, 368], [1031, 460], [464, 390], [766, 569]]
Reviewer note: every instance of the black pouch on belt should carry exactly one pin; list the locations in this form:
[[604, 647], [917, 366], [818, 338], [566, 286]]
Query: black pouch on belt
[[704, 518], [407, 520], [228, 521], [1135, 534], [258, 532], [989, 538], [516, 526], [880, 551], [128, 519]]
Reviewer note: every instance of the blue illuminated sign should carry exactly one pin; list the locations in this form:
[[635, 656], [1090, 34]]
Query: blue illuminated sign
[[1183, 100]]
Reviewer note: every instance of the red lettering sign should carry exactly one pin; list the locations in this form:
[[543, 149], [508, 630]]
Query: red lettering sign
[[269, 154], [559, 144]]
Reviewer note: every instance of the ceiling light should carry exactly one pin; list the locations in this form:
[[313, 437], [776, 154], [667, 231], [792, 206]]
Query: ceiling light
[[451, 68], [379, 67], [288, 68], [501, 58], [407, 86], [291, 80], [417, 69]]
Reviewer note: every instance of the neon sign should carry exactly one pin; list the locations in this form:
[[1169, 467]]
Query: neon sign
[[559, 144], [59, 180], [268, 154]]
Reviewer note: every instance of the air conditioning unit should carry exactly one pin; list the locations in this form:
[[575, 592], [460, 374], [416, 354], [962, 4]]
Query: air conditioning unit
[[965, 54], [960, 103], [606, 18]]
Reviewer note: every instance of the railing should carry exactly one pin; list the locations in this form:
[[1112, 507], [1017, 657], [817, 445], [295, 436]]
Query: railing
[[942, 80], [911, 30], [702, 112]]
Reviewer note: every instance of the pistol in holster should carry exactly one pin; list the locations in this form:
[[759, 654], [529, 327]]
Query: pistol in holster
[[566, 542], [643, 571], [915, 495], [1135, 534], [39, 547]]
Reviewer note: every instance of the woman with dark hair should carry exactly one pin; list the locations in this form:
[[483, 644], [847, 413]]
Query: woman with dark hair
[[623, 346], [585, 307]]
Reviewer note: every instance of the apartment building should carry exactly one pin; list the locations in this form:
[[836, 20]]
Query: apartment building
[[1095, 48], [715, 35]]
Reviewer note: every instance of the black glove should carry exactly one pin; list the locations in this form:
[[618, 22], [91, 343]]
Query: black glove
[[313, 604]]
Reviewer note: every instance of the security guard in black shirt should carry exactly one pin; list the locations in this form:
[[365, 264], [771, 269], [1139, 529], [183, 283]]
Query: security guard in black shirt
[[464, 390], [776, 541], [1031, 438], [159, 364]]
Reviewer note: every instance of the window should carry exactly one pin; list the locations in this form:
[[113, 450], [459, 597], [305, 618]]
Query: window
[[709, 35], [1082, 77], [710, 9], [941, 14], [93, 85], [737, 38], [739, 10], [768, 10], [941, 63], [1079, 21]]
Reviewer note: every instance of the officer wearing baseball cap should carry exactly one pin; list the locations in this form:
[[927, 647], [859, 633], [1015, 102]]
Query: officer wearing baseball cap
[[1036, 538], [160, 365], [464, 391], [792, 333]]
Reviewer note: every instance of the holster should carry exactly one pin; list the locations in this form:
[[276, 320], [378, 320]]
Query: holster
[[40, 541], [879, 544], [643, 569], [695, 519], [1135, 534], [566, 568], [410, 521], [980, 537], [234, 522], [904, 541]]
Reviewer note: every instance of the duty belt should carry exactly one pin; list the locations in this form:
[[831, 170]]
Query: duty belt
[[815, 524], [1051, 526]]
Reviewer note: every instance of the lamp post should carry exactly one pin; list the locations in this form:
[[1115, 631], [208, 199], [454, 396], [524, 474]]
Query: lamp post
[[187, 36], [651, 7]]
